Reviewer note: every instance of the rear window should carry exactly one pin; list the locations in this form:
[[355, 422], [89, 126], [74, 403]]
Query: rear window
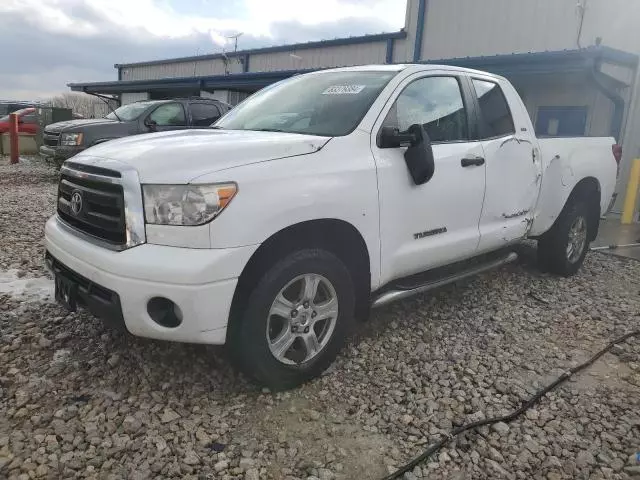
[[496, 117]]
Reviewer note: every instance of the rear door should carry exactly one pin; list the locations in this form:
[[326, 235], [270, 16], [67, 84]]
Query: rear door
[[425, 226], [203, 114], [513, 164]]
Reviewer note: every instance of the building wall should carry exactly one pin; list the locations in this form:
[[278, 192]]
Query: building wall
[[460, 28], [332, 56], [563, 91], [196, 68], [133, 97]]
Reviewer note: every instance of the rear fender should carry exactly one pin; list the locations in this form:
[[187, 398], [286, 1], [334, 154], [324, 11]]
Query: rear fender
[[585, 171]]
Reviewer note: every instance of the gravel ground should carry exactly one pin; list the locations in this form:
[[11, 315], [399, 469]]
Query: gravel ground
[[80, 400]]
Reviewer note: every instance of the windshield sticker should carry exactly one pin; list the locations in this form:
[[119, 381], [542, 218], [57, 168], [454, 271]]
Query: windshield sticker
[[344, 90]]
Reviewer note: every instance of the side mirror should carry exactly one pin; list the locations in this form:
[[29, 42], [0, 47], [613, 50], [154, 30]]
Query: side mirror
[[391, 137], [151, 124], [419, 156]]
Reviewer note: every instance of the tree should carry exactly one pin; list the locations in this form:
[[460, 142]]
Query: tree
[[88, 106]]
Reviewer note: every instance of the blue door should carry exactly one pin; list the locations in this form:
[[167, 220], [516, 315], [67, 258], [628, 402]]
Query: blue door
[[561, 121]]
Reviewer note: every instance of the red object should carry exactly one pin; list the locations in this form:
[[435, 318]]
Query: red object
[[13, 137], [617, 152], [27, 121]]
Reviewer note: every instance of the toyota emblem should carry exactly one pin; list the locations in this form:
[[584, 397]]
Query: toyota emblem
[[76, 203]]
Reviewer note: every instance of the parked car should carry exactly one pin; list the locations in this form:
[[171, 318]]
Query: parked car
[[27, 121], [314, 200], [63, 140]]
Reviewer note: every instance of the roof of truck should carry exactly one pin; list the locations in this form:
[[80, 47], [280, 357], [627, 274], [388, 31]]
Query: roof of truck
[[417, 67]]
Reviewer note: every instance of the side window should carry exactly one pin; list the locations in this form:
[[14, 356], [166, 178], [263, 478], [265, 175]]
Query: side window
[[435, 103], [29, 118], [204, 114], [169, 115], [496, 116]]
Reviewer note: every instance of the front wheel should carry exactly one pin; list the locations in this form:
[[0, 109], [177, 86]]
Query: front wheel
[[295, 321], [563, 248]]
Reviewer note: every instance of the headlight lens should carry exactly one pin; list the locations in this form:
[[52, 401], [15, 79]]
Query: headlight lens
[[71, 139], [186, 204]]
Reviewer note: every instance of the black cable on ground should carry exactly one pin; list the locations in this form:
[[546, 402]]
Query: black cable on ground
[[510, 417]]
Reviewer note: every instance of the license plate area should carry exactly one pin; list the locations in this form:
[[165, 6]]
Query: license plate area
[[66, 292]]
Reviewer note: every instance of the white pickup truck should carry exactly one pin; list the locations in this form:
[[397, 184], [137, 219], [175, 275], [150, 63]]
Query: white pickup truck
[[315, 199]]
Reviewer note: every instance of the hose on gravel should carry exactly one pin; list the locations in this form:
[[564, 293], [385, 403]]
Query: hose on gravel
[[510, 417]]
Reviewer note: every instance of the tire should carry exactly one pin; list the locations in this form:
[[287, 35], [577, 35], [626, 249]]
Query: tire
[[256, 330], [555, 252]]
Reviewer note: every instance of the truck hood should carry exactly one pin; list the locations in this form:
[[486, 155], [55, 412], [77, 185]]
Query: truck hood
[[78, 125], [182, 156]]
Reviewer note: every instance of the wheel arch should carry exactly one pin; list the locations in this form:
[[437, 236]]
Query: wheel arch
[[589, 190], [336, 236]]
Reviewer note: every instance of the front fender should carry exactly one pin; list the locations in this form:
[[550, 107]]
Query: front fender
[[281, 193]]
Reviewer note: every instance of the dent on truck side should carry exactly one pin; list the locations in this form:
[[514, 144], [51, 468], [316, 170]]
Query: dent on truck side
[[565, 163]]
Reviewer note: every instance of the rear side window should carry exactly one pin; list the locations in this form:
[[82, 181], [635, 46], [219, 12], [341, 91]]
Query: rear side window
[[169, 115], [204, 114], [436, 104], [496, 117]]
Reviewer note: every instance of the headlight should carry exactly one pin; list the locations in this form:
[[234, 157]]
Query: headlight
[[186, 204], [71, 139]]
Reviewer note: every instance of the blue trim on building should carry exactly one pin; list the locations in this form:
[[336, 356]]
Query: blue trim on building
[[378, 37], [248, 80], [417, 47], [552, 59], [389, 57], [565, 61]]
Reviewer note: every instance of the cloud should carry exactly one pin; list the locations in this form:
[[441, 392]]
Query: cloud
[[54, 42]]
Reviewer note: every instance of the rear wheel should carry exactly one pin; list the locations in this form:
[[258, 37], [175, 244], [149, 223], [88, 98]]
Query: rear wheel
[[563, 248], [295, 321]]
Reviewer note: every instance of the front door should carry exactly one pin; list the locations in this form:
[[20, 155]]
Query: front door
[[425, 226], [168, 116], [513, 165]]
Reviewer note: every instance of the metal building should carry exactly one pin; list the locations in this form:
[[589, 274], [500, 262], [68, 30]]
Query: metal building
[[575, 62]]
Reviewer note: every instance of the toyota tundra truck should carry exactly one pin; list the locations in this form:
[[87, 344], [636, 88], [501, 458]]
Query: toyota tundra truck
[[314, 200]]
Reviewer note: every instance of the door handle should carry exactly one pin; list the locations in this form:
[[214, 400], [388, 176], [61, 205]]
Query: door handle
[[472, 161]]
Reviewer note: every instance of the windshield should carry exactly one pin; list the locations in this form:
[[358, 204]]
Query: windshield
[[327, 104], [129, 112]]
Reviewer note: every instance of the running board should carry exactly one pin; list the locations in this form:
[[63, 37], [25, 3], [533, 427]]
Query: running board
[[398, 294]]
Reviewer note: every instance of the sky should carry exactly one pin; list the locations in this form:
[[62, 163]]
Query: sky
[[45, 44]]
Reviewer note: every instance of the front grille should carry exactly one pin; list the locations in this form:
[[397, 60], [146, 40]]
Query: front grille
[[101, 210], [50, 139]]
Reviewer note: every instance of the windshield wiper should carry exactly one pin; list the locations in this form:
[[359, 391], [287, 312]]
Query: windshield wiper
[[217, 127], [269, 130]]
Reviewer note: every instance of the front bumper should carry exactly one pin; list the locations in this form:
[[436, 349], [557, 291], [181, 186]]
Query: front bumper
[[59, 153], [201, 282]]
